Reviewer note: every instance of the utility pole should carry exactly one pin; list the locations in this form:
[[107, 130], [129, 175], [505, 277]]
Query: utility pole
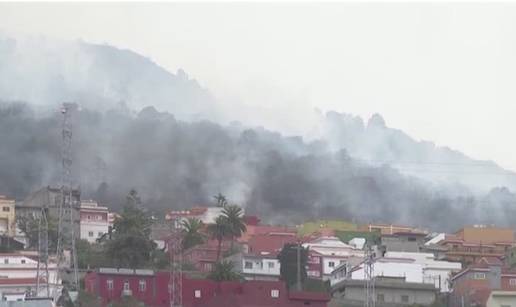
[[298, 277]]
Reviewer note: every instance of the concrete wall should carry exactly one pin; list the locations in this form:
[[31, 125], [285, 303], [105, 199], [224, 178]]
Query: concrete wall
[[501, 298], [392, 296]]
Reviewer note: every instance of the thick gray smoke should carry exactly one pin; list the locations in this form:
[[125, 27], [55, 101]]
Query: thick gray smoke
[[176, 164], [182, 157]]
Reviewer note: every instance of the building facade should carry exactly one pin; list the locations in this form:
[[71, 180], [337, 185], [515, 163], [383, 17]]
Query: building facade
[[151, 288], [7, 216], [389, 292], [94, 221]]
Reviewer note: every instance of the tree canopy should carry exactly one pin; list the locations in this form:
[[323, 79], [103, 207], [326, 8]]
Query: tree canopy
[[288, 263]]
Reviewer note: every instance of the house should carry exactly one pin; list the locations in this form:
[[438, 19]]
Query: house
[[414, 267], [469, 244], [204, 256], [475, 284], [94, 221], [18, 274], [151, 288], [333, 252], [403, 241], [258, 260], [434, 271], [314, 265], [51, 199], [7, 216], [264, 266], [389, 292]]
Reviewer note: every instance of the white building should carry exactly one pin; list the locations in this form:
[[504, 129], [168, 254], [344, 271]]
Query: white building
[[18, 276], [94, 220], [414, 267], [257, 267], [334, 253], [434, 271]]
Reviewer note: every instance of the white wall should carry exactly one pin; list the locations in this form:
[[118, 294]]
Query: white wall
[[92, 226], [260, 266]]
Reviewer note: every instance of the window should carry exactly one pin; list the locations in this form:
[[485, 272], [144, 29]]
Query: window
[[275, 293], [342, 261], [271, 265], [6, 261], [109, 284], [90, 234], [6, 209], [404, 298], [142, 285], [331, 264], [100, 233], [98, 217], [23, 261], [479, 276], [316, 260], [89, 217], [512, 282], [126, 285], [380, 298], [411, 239], [197, 293], [248, 265]]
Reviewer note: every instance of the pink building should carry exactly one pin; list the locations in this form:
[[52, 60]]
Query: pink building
[[94, 220]]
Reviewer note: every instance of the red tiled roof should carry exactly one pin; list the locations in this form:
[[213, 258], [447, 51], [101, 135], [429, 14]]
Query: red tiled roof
[[264, 229], [270, 243]]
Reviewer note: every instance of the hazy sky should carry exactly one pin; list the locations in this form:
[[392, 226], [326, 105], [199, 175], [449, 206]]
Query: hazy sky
[[440, 72]]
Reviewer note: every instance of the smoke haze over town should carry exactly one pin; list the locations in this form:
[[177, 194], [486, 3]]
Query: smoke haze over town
[[326, 138]]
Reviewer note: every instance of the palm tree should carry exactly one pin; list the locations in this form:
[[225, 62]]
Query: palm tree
[[219, 231], [224, 271], [234, 218], [192, 234], [220, 200]]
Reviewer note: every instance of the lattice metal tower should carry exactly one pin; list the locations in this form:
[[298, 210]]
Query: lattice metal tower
[[66, 206], [42, 276], [175, 250], [370, 295]]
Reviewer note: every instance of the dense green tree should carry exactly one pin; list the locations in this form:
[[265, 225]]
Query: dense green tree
[[224, 271], [127, 301], [192, 233], [86, 299], [220, 200], [29, 226], [288, 263], [130, 244], [234, 217], [219, 231], [91, 255]]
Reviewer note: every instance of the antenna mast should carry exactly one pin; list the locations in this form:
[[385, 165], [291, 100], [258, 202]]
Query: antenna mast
[[42, 272], [370, 296], [175, 285], [66, 206]]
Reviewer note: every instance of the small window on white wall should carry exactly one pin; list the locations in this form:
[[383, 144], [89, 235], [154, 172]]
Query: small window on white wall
[[512, 282], [331, 264], [197, 293], [275, 293]]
